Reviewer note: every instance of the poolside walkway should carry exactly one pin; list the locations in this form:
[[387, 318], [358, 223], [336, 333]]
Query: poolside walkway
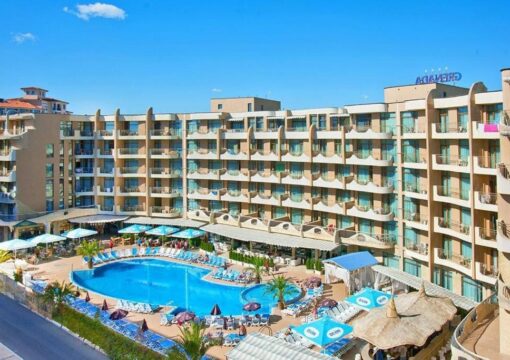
[[7, 354], [60, 269]]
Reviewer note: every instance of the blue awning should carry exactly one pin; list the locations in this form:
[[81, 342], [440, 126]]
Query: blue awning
[[354, 261]]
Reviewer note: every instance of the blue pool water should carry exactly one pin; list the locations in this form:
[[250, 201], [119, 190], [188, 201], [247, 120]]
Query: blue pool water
[[161, 282]]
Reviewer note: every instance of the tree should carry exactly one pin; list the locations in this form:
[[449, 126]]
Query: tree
[[279, 287], [89, 249], [258, 268], [4, 256], [191, 344], [56, 293]]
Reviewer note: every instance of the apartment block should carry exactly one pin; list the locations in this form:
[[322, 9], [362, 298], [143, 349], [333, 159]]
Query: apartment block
[[413, 179]]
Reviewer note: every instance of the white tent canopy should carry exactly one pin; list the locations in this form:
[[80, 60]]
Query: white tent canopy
[[161, 221]]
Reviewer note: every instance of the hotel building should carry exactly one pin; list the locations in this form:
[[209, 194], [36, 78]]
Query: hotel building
[[414, 179]]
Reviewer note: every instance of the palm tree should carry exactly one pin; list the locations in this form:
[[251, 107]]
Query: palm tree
[[56, 293], [258, 267], [4, 256], [279, 286], [190, 344], [89, 249]]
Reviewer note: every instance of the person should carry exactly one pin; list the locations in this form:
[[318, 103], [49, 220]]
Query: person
[[139, 242], [111, 245], [242, 330], [288, 331]]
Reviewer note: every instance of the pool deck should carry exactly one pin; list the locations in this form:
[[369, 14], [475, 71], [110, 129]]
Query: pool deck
[[60, 269]]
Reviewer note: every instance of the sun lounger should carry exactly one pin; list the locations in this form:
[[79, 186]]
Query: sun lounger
[[134, 251]]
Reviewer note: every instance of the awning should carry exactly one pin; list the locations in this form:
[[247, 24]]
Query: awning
[[162, 221], [431, 289], [97, 219], [236, 119], [259, 236], [354, 261], [259, 346]]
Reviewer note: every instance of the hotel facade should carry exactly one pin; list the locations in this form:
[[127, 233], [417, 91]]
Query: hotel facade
[[419, 180]]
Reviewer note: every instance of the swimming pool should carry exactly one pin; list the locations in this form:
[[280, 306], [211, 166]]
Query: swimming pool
[[160, 282]]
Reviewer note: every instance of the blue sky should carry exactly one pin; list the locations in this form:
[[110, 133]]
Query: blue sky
[[175, 55]]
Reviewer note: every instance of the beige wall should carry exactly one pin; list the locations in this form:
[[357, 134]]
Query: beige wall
[[241, 104]]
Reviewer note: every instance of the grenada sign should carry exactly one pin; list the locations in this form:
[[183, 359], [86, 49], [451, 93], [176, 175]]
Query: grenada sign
[[439, 78]]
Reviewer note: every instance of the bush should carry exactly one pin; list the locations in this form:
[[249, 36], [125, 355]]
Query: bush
[[206, 246], [116, 346], [318, 265]]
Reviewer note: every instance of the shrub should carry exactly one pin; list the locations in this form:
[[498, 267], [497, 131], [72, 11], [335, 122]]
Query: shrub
[[116, 346], [206, 246]]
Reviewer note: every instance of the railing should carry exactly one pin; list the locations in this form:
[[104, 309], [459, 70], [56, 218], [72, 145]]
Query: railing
[[79, 152], [488, 198], [503, 170], [165, 132], [455, 226], [299, 128], [165, 210], [86, 133], [487, 234], [105, 132], [131, 151], [416, 217], [83, 170], [165, 190], [454, 193], [84, 189], [131, 208], [106, 207], [5, 152], [165, 171], [419, 248], [415, 188], [486, 162], [129, 170], [412, 130], [236, 130], [132, 189], [105, 170], [454, 257], [449, 129], [413, 158], [451, 160], [130, 133]]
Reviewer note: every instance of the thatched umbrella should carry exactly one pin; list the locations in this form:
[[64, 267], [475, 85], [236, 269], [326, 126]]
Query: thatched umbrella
[[409, 319], [105, 306]]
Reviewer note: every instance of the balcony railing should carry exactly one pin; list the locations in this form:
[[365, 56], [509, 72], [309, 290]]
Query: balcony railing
[[488, 234], [488, 198], [454, 257], [105, 132], [450, 128], [454, 225], [165, 190], [451, 160], [416, 217], [84, 170], [418, 247], [453, 193], [132, 208], [165, 171], [165, 132], [129, 170], [130, 133]]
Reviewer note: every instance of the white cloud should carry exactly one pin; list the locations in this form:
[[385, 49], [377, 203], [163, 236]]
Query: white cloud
[[216, 90], [87, 11], [20, 38]]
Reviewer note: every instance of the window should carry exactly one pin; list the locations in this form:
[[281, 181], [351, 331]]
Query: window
[[49, 170], [250, 107], [49, 150], [471, 289], [412, 267], [49, 188], [220, 106]]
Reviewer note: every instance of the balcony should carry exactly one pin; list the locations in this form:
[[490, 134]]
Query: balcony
[[452, 196], [451, 131], [452, 228], [205, 194], [336, 207], [331, 134], [483, 166], [203, 133], [333, 182], [413, 161], [369, 186], [105, 134], [503, 237], [453, 261], [358, 158], [503, 177], [299, 202], [8, 154], [230, 154], [486, 201], [296, 156], [199, 214], [133, 209], [327, 158], [165, 192], [486, 237], [106, 209], [7, 197], [296, 178], [379, 214], [13, 133], [164, 173], [415, 191], [75, 134], [132, 191], [375, 241], [130, 153], [486, 273], [235, 196], [130, 135], [134, 171], [297, 133], [84, 171], [416, 221], [262, 155], [85, 191], [266, 176], [165, 134], [104, 153], [417, 131], [205, 174], [106, 171], [165, 211], [366, 132], [485, 131], [204, 154], [268, 199], [235, 175], [164, 154], [504, 126], [418, 251], [234, 134], [449, 163], [269, 133], [105, 191]]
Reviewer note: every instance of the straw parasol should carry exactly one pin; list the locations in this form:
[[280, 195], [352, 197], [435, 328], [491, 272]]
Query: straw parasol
[[409, 319], [105, 306], [216, 310]]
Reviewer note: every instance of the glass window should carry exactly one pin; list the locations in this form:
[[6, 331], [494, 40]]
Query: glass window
[[49, 170], [391, 260], [250, 107], [49, 150], [471, 289], [220, 106], [49, 188], [412, 267]]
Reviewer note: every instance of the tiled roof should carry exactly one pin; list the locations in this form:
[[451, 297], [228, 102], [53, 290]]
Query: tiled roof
[[17, 104]]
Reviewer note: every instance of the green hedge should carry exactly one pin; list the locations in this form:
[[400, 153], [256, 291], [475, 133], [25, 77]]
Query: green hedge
[[312, 264], [115, 345], [250, 259], [207, 246]]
